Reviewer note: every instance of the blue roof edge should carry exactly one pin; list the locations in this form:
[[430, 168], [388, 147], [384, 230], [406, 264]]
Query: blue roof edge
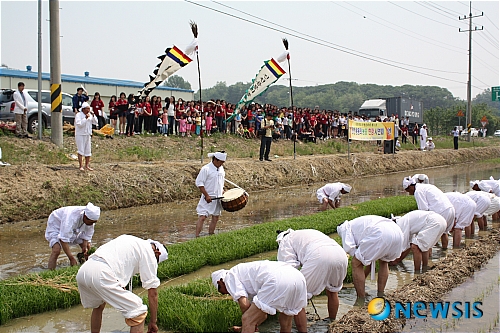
[[83, 79]]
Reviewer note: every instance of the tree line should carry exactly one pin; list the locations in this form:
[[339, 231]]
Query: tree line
[[440, 106]]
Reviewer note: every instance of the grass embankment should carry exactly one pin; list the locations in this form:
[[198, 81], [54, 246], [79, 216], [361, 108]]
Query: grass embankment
[[160, 148], [34, 293]]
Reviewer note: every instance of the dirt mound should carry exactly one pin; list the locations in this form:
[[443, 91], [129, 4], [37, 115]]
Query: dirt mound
[[31, 191], [428, 287]]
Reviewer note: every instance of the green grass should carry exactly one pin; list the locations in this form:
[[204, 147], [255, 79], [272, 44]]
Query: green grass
[[21, 297]]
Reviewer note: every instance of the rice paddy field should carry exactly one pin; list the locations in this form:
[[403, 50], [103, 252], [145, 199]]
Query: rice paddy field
[[46, 291]]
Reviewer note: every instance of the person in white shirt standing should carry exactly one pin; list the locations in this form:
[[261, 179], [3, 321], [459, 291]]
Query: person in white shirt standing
[[423, 137], [105, 276], [83, 133], [72, 225], [210, 181], [20, 111]]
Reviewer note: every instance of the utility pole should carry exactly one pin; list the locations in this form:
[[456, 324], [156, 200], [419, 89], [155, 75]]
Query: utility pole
[[55, 75], [469, 100], [40, 120]]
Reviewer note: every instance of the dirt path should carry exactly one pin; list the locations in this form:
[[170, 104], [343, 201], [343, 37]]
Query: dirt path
[[428, 287], [31, 191]]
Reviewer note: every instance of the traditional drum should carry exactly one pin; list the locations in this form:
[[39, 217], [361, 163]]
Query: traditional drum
[[234, 200]]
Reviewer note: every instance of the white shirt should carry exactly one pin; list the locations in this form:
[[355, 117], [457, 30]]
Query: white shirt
[[67, 225], [423, 133], [83, 125], [19, 103], [430, 145], [462, 204], [170, 110], [332, 191], [295, 247], [416, 221], [493, 185], [128, 255], [483, 201], [212, 179], [429, 197]]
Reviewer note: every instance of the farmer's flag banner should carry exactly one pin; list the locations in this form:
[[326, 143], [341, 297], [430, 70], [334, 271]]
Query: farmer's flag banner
[[359, 130], [268, 74], [173, 60]]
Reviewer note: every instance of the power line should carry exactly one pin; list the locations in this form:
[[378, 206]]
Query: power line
[[494, 70], [322, 44], [392, 3], [491, 22], [281, 26], [399, 27], [455, 12]]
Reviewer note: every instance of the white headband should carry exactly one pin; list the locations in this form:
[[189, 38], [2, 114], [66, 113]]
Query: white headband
[[218, 155], [217, 275], [92, 212]]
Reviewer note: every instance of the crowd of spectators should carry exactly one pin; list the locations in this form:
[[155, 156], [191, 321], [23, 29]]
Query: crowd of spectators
[[154, 116]]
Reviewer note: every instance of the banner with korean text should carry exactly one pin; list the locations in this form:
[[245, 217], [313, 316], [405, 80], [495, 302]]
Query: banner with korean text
[[367, 131]]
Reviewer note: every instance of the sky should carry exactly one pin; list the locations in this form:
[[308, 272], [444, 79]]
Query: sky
[[378, 42]]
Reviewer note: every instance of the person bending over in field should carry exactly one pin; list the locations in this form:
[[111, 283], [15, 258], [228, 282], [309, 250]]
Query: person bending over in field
[[329, 195]]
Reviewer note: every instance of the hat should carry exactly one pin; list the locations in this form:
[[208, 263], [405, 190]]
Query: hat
[[161, 248], [483, 186], [84, 106], [421, 176], [347, 188], [429, 139], [221, 156], [473, 182], [424, 125], [408, 181], [217, 275], [282, 235], [92, 212]]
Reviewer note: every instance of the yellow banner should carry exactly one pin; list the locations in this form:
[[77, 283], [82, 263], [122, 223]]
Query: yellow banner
[[360, 130]]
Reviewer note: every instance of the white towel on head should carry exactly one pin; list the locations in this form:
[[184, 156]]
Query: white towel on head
[[161, 248], [217, 275], [92, 212], [282, 235], [218, 155], [347, 188], [407, 182]]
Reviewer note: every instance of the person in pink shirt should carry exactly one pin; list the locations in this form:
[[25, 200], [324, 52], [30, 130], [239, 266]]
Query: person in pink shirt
[[208, 122]]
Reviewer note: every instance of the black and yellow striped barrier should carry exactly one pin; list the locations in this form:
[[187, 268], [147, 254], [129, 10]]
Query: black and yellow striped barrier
[[56, 97]]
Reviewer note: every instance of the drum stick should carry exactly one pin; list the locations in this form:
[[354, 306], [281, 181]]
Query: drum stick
[[217, 198], [230, 182]]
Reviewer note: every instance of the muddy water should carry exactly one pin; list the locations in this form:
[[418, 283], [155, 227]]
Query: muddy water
[[174, 222]]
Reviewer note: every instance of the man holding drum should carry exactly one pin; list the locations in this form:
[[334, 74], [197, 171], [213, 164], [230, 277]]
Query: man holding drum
[[210, 181]]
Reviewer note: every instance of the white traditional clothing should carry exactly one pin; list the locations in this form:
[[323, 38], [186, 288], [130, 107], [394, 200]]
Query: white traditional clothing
[[323, 261], [370, 238], [422, 228], [332, 191], [429, 197], [272, 286], [423, 137], [83, 132], [66, 224], [482, 200], [464, 209], [420, 178], [490, 185], [430, 145], [103, 277], [494, 205], [212, 178]]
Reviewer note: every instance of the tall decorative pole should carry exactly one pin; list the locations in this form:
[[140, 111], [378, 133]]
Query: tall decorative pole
[[285, 43], [194, 29]]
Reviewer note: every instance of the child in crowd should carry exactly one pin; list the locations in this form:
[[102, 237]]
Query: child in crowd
[[164, 122], [209, 123], [190, 123], [240, 131], [182, 125], [251, 133], [246, 132], [214, 126], [158, 124], [197, 120]]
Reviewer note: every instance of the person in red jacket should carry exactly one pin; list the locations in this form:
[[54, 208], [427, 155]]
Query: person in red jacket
[[97, 106]]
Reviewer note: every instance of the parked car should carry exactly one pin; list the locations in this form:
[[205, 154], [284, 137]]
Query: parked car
[[497, 133], [473, 132], [7, 108]]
